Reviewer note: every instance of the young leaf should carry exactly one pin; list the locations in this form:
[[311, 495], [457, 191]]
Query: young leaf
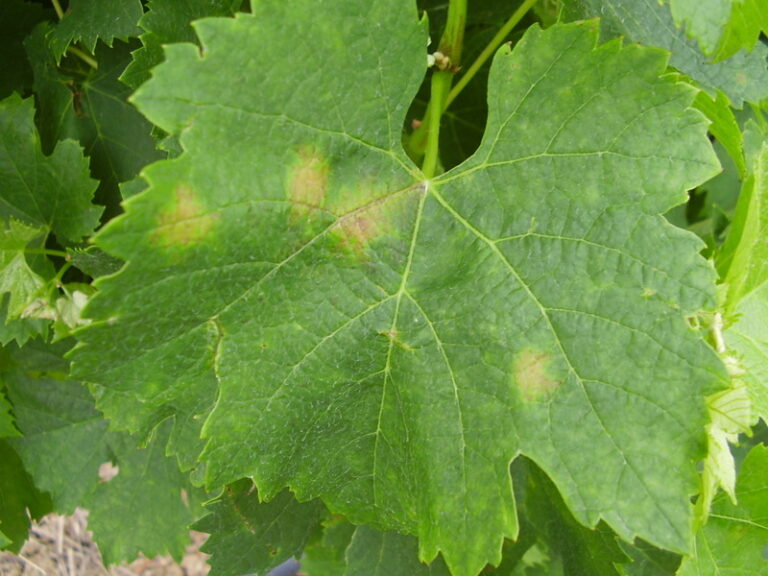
[[53, 191], [749, 18], [17, 279], [732, 542], [391, 343], [744, 76], [703, 20], [249, 536], [87, 21]]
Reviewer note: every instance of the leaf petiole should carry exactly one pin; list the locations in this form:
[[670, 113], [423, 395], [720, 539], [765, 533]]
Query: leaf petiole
[[84, 56], [490, 49]]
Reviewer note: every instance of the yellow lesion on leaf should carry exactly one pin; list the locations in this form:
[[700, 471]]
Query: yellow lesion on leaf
[[531, 374], [185, 222], [307, 182]]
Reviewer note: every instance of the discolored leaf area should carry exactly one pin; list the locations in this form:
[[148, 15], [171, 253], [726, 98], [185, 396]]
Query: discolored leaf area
[[330, 320]]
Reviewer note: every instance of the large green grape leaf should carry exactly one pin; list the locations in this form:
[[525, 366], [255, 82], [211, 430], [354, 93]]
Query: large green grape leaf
[[249, 536], [87, 21], [743, 76], [390, 343], [52, 191], [733, 541], [65, 443], [166, 22]]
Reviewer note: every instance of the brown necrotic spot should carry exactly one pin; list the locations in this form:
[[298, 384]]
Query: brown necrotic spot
[[185, 222], [532, 376], [307, 182]]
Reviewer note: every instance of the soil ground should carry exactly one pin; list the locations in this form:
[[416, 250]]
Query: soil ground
[[62, 546]]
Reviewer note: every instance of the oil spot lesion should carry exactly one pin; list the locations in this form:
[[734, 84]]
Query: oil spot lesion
[[532, 375], [185, 221], [307, 182]]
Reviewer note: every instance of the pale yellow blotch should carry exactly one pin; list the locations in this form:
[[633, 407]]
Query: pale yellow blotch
[[307, 182], [531, 375], [185, 222]]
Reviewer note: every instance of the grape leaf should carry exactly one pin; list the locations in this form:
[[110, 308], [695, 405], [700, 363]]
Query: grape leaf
[[366, 326], [744, 264], [17, 495], [17, 19], [248, 536], [749, 18], [91, 108], [87, 21], [733, 539], [17, 279], [6, 419], [585, 552], [375, 553], [65, 442], [704, 20], [53, 191], [167, 22], [743, 76]]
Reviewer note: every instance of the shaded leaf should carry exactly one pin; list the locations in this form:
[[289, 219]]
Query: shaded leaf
[[52, 191], [65, 444], [91, 106], [17, 19], [87, 21], [168, 22], [249, 536], [375, 553]]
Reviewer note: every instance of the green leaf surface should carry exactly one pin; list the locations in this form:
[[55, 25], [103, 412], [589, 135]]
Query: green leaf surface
[[366, 326], [724, 126], [17, 19], [325, 553], [18, 495], [375, 553], [704, 20], [649, 561], [91, 107], [749, 18], [252, 537], [7, 428], [168, 22], [65, 443], [87, 21], [733, 541], [585, 552], [52, 191], [17, 279], [743, 76]]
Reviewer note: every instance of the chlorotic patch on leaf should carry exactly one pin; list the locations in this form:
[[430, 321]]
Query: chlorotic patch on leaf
[[532, 376], [307, 182], [185, 222]]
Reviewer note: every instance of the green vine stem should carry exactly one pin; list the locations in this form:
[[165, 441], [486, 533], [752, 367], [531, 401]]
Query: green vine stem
[[490, 49], [84, 56], [424, 136], [449, 51], [57, 7]]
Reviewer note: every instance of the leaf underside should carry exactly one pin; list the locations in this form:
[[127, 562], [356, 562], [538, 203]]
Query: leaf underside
[[328, 320]]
